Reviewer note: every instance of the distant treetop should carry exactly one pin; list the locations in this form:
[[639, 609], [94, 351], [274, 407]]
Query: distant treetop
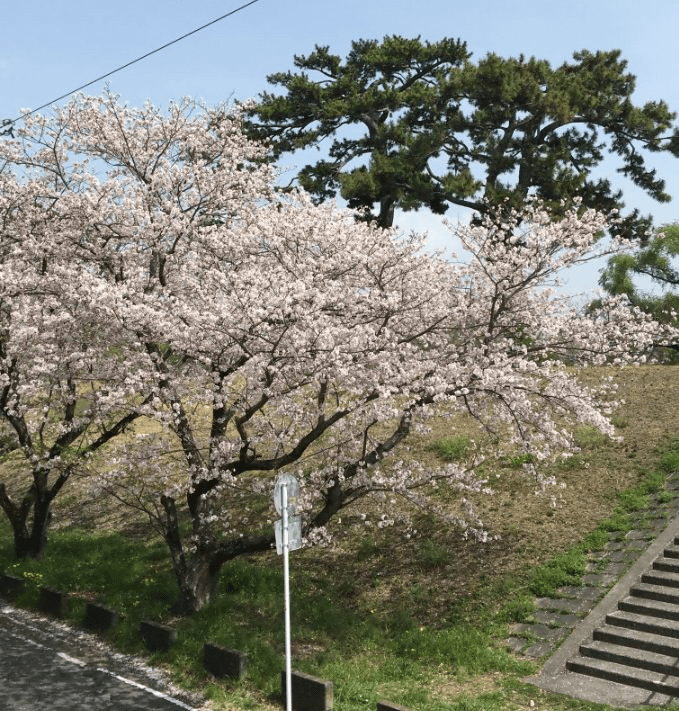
[[411, 124]]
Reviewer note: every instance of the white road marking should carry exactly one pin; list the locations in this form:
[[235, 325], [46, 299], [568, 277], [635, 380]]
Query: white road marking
[[26, 639], [146, 688], [7, 611], [71, 659]]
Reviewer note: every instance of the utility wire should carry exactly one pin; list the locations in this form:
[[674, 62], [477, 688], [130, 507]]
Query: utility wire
[[6, 125]]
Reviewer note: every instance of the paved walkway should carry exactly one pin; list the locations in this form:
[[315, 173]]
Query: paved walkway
[[561, 624], [46, 665]]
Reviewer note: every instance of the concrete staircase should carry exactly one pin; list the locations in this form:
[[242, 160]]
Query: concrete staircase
[[638, 644]]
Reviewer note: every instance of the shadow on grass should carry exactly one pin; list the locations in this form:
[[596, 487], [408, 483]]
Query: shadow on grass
[[333, 637]]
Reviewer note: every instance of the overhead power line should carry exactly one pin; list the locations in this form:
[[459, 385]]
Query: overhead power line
[[6, 125]]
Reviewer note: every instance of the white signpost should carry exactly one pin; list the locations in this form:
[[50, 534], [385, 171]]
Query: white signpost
[[288, 538]]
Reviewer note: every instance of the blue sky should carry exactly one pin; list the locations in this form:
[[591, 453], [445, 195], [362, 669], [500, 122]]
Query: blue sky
[[49, 47]]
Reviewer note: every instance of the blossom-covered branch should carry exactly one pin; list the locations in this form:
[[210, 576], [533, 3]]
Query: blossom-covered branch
[[256, 332]]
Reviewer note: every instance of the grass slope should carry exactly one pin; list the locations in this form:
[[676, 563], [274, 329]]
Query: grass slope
[[420, 620]]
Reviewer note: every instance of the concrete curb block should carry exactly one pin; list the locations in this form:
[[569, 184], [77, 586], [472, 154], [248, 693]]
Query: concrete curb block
[[157, 637], [388, 706], [308, 692], [10, 585], [53, 602], [99, 618], [221, 661]]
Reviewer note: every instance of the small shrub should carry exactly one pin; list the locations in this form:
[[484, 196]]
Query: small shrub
[[617, 523], [519, 609], [367, 548], [653, 482], [595, 541], [569, 464], [670, 462], [632, 500], [588, 437], [516, 461], [400, 622], [566, 569], [619, 422], [418, 593], [452, 449], [664, 497], [433, 554]]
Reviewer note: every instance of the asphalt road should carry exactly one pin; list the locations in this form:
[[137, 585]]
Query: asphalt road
[[40, 670]]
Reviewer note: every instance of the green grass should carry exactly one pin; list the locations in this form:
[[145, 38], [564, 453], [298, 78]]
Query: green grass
[[669, 461], [362, 653], [589, 438], [517, 461], [452, 449], [133, 578], [433, 555], [367, 655], [128, 576], [568, 568]]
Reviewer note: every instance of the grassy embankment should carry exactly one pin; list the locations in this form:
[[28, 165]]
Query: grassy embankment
[[421, 621]]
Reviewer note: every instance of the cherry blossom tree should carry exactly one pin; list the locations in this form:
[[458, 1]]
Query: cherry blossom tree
[[62, 395], [256, 333]]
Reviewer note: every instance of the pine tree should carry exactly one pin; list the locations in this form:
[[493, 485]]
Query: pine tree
[[414, 124]]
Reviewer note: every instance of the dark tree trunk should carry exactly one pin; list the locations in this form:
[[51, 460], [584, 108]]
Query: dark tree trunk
[[197, 570], [198, 584], [30, 539], [42, 517], [22, 539], [196, 574], [386, 216]]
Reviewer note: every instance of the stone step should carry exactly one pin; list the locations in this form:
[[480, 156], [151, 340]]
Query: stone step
[[622, 674], [647, 641], [655, 592], [666, 564], [650, 607], [650, 632], [638, 644], [627, 656], [660, 577]]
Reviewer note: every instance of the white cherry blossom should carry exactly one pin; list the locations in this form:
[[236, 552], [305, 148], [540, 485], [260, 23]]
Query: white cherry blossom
[[150, 270]]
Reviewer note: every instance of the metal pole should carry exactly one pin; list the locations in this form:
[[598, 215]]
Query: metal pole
[[286, 584]]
